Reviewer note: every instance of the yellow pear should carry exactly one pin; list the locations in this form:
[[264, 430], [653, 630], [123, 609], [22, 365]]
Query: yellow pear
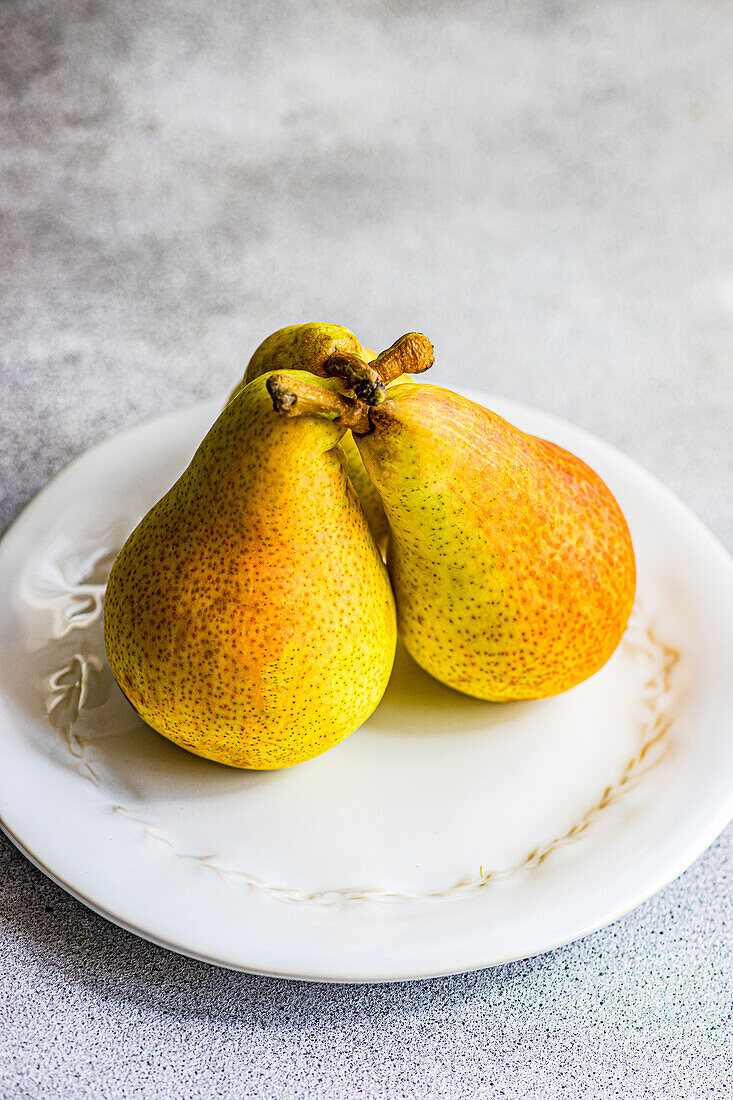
[[249, 616]]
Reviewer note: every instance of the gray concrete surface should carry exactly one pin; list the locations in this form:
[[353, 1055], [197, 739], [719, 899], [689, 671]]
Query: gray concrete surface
[[545, 189]]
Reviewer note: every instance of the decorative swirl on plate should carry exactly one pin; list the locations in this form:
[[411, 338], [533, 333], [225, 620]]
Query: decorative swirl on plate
[[77, 608], [72, 588]]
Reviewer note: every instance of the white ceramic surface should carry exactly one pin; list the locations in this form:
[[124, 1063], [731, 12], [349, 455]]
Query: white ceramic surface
[[446, 834]]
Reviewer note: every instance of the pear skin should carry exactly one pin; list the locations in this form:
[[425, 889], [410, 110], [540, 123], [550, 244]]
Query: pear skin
[[309, 347], [511, 562], [249, 616], [302, 347]]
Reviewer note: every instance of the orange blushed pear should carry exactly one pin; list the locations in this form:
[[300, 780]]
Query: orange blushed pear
[[511, 562], [249, 616]]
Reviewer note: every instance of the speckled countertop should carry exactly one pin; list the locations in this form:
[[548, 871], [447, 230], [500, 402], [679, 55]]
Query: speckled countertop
[[545, 189]]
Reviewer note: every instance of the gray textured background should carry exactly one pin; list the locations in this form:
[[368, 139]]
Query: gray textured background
[[545, 189]]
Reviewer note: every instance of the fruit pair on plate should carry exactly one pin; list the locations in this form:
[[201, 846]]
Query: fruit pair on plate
[[250, 617]]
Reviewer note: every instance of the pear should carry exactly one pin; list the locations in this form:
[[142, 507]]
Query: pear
[[328, 350], [511, 562], [249, 616]]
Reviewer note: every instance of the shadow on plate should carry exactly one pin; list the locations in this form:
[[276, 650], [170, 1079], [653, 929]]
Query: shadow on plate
[[417, 705]]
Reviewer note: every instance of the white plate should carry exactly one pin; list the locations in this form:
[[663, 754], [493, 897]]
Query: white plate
[[446, 834]]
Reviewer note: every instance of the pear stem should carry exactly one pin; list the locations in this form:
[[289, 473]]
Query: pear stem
[[293, 397], [411, 354], [362, 378]]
